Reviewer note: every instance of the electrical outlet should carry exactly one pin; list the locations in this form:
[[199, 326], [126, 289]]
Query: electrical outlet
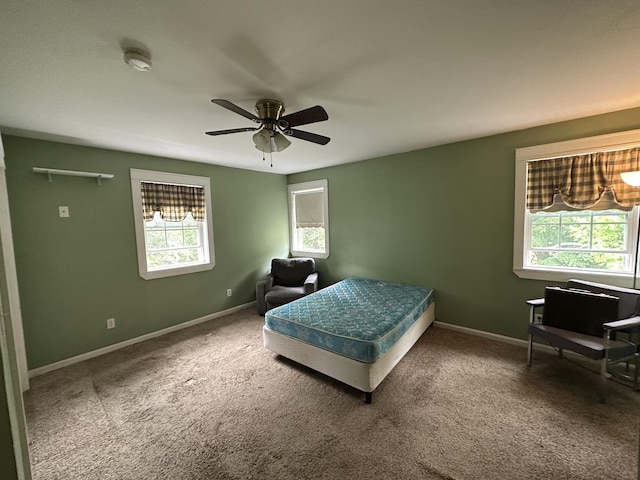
[[228, 292], [63, 211], [538, 318], [111, 323]]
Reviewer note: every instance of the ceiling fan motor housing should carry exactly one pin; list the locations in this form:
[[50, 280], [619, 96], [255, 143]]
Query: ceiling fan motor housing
[[269, 109]]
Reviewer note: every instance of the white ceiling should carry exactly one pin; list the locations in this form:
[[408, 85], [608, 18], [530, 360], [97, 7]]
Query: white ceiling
[[394, 76]]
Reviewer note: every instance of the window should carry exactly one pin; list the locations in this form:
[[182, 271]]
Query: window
[[582, 239], [172, 215], [561, 232], [309, 219], [173, 243]]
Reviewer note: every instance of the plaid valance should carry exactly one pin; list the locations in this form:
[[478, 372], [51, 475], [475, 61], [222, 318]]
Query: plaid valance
[[173, 202], [581, 180]]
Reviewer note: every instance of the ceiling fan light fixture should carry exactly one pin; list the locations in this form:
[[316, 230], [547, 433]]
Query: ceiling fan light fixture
[[137, 59], [262, 141], [281, 141], [270, 142]]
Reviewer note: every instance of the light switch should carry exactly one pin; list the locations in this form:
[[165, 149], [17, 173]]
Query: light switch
[[63, 211]]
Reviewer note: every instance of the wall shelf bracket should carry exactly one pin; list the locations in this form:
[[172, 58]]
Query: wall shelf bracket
[[73, 173]]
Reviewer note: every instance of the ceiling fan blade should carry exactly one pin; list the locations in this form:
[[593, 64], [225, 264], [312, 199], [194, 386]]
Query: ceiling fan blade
[[304, 117], [234, 108], [309, 137], [233, 130]]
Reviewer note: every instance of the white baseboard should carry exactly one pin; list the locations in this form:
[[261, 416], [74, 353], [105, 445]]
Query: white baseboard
[[501, 338], [481, 333], [117, 346]]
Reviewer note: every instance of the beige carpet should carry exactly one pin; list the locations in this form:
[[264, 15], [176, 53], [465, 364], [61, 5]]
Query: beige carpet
[[210, 402]]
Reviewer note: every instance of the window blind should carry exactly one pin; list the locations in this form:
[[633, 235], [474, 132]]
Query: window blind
[[308, 210]]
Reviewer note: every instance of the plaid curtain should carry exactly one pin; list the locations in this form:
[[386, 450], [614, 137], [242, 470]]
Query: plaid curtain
[[173, 202], [618, 162], [581, 180]]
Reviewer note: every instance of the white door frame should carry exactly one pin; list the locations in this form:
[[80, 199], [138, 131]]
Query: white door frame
[[12, 346]]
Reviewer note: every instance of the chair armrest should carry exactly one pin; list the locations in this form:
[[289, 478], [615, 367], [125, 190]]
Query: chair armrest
[[311, 283], [630, 322], [265, 284], [536, 302], [262, 287], [533, 304]]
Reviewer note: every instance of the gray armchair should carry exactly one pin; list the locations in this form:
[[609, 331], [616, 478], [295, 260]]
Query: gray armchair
[[290, 279]]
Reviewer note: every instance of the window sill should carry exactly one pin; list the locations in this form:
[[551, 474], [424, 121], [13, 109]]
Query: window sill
[[561, 276], [171, 272], [311, 254]]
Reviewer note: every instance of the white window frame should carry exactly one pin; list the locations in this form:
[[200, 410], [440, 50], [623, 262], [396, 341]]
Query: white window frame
[[138, 176], [301, 188], [614, 141]]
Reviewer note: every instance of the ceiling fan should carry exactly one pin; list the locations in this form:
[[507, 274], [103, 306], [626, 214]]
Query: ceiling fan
[[269, 137]]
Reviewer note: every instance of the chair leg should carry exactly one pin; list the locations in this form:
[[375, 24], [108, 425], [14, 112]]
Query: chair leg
[[603, 380], [530, 350]]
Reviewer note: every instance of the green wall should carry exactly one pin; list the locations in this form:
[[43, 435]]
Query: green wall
[[443, 217], [76, 272]]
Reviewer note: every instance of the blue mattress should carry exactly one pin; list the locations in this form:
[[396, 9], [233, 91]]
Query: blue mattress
[[359, 318]]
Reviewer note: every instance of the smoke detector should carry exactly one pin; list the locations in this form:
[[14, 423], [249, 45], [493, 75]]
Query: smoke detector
[[137, 59]]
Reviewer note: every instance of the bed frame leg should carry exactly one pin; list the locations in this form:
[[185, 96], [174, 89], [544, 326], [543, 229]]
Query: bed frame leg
[[367, 397]]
